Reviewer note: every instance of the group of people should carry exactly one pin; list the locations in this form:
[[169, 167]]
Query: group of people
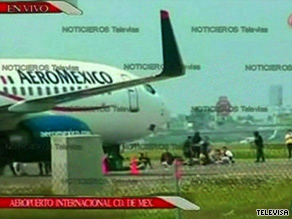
[[197, 150], [221, 156], [143, 161]]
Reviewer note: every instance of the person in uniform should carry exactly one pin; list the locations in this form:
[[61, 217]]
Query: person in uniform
[[288, 139], [196, 148], [187, 150], [259, 143]]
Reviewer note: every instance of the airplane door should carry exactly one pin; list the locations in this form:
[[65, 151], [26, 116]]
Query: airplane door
[[133, 96]]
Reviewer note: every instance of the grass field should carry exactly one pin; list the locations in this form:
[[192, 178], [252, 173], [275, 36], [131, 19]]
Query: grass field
[[224, 196]]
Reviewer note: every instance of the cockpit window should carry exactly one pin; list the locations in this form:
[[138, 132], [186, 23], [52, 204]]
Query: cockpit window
[[149, 88]]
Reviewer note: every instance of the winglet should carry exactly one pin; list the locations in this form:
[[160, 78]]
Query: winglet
[[172, 61]]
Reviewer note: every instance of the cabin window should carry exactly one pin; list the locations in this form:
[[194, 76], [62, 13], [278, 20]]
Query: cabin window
[[30, 91], [48, 90], [22, 91], [40, 91], [14, 90], [5, 90], [64, 89], [72, 88], [56, 89]]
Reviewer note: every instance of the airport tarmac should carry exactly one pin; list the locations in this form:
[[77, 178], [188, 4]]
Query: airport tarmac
[[273, 166], [278, 168]]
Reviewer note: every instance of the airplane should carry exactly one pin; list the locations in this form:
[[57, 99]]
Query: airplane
[[40, 98]]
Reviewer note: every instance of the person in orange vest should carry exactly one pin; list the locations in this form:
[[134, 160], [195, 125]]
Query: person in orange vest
[[288, 138], [134, 166]]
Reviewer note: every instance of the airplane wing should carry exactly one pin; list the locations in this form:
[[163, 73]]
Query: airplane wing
[[173, 67], [4, 109]]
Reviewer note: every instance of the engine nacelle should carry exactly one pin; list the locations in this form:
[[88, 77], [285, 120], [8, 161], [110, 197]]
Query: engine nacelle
[[13, 144], [31, 141]]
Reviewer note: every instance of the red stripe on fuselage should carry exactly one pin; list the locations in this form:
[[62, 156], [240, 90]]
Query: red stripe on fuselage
[[78, 109], [11, 96]]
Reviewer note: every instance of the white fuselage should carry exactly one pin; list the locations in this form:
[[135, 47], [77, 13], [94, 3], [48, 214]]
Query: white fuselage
[[131, 112]]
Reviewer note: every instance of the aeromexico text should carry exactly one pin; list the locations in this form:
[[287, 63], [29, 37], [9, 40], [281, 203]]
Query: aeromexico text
[[64, 77]]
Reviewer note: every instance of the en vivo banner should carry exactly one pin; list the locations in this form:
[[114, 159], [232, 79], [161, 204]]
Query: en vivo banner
[[43, 7]]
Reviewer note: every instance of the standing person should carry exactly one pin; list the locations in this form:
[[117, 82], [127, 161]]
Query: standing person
[[187, 151], [205, 143], [48, 167], [288, 138], [259, 142], [196, 148], [45, 166], [41, 164]]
